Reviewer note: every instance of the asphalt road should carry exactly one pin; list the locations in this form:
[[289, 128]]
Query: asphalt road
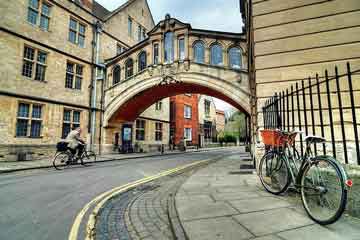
[[42, 204]]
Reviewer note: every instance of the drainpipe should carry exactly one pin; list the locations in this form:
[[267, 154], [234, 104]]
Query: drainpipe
[[102, 108], [95, 61]]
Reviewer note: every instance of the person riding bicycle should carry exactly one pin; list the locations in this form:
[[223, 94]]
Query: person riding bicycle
[[75, 143]]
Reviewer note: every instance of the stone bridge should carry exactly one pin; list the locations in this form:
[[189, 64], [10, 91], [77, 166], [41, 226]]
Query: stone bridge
[[176, 59]]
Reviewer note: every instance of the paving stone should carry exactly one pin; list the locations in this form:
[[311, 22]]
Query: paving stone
[[272, 221], [258, 204], [216, 228], [234, 195], [268, 237], [312, 232], [198, 209]]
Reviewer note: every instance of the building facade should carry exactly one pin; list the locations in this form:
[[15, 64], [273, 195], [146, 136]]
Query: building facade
[[52, 78], [184, 119], [207, 120], [220, 123]]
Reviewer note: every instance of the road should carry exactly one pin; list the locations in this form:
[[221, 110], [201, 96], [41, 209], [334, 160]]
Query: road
[[42, 204]]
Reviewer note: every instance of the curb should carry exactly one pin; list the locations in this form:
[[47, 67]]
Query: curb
[[109, 160]]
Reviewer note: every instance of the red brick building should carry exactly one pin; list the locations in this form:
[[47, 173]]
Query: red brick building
[[184, 119]]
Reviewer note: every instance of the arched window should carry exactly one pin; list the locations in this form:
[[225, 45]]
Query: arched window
[[216, 55], [169, 47], [129, 68], [116, 74], [235, 58], [199, 52], [142, 61]]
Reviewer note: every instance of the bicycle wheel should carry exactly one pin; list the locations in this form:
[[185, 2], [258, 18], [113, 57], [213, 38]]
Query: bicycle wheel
[[274, 172], [88, 157], [60, 160], [323, 191]]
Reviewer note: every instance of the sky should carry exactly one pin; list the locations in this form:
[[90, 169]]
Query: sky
[[220, 15]]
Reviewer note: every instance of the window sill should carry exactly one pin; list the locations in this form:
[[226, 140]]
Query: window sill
[[27, 137], [73, 90], [32, 79], [38, 26]]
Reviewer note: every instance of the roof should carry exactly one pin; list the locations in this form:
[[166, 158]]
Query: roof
[[99, 11]]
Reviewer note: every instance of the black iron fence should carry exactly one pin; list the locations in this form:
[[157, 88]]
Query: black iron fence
[[326, 106]]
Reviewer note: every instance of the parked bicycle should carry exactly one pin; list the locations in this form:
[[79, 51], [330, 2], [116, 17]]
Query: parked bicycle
[[321, 180], [64, 157]]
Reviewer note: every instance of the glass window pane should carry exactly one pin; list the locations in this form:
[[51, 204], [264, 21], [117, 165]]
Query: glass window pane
[[76, 117], [70, 67], [216, 55], [66, 129], [116, 75], [36, 111], [35, 130], [34, 4], [199, 52], [45, 9], [130, 27], [182, 49], [21, 127], [156, 53], [23, 110], [73, 25], [72, 36], [169, 47], [32, 16], [82, 29], [44, 22], [42, 57], [81, 41], [139, 33], [67, 115], [69, 80], [79, 69], [235, 58], [129, 66], [27, 69], [142, 61], [29, 53], [78, 81], [40, 72]]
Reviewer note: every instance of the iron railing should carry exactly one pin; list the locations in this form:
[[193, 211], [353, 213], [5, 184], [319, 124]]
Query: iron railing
[[323, 106]]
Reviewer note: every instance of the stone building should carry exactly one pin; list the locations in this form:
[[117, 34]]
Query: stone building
[[207, 120], [184, 119], [220, 122], [290, 41], [52, 79]]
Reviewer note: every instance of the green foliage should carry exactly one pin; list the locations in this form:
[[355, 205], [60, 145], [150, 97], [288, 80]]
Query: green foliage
[[227, 139]]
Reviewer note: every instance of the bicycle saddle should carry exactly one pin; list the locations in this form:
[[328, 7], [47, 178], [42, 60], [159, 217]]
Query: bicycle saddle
[[315, 139]]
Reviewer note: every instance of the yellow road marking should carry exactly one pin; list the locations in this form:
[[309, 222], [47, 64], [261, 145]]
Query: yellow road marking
[[102, 198]]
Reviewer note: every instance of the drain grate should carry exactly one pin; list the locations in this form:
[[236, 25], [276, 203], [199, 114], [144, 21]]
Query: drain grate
[[247, 159], [246, 166]]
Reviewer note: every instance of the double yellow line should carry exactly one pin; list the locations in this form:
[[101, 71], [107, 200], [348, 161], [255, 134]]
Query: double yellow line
[[102, 198]]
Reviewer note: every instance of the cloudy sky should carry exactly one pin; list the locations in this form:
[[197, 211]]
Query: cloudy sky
[[221, 15]]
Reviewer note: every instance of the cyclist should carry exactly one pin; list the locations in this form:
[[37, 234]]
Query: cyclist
[[75, 143]]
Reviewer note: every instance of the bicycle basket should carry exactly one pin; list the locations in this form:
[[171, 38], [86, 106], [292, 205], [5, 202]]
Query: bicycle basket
[[61, 146], [272, 137]]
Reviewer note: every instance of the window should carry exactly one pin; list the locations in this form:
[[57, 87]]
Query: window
[[187, 111], [188, 94], [129, 68], [235, 58], [116, 74], [142, 61], [156, 53], [130, 27], [188, 134], [118, 49], [71, 120], [181, 49], [139, 33], [199, 52], [140, 130], [37, 58], [77, 32], [158, 131], [74, 75], [158, 106], [216, 55], [144, 33], [29, 120], [33, 13], [207, 107], [169, 47]]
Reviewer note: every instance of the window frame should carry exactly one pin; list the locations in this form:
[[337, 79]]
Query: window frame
[[171, 50], [181, 52], [229, 57], [207, 107], [39, 14], [158, 106], [75, 75], [196, 45], [30, 119], [158, 131], [156, 56], [71, 122], [187, 115], [35, 62], [212, 55], [142, 67], [130, 27], [190, 134], [77, 32], [114, 82], [140, 129], [127, 68]]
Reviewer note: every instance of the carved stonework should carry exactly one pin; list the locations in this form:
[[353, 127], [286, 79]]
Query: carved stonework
[[167, 80]]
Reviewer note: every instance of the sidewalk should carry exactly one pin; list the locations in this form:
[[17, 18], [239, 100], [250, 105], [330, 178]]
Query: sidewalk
[[46, 163], [223, 202]]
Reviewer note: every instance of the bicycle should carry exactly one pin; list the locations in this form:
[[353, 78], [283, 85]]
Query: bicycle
[[321, 180], [64, 157]]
